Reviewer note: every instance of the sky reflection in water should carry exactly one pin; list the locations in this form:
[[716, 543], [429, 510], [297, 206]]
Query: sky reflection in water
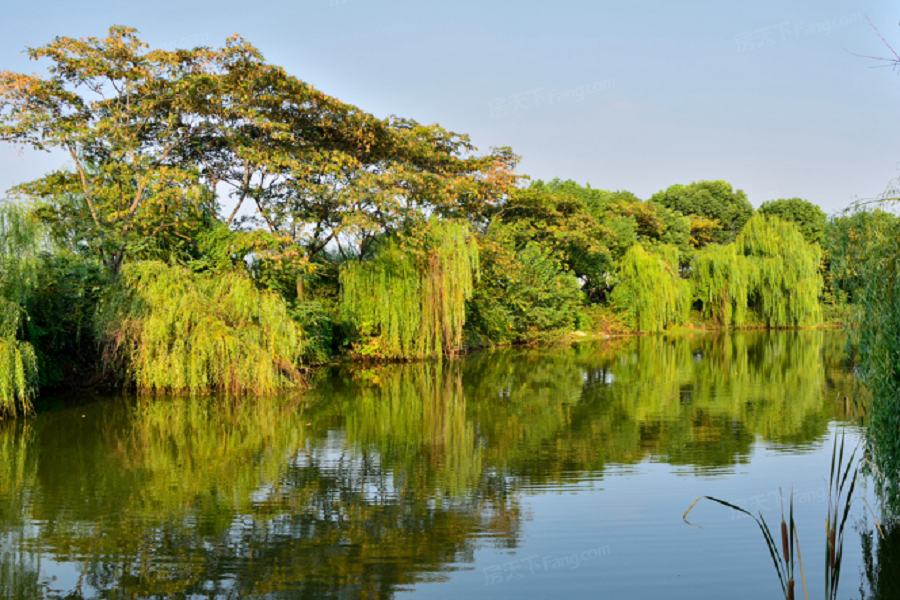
[[507, 474]]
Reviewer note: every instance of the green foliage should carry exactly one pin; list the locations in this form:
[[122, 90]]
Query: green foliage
[[60, 318], [171, 330], [18, 363], [525, 294], [656, 224], [147, 173], [649, 289], [811, 219], [597, 201], [20, 243], [868, 263], [785, 282], [852, 240], [576, 223], [271, 260], [713, 200], [409, 301], [721, 281], [770, 271], [316, 317]]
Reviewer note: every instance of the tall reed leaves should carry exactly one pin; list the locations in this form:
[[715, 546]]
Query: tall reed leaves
[[649, 290], [410, 300], [840, 499], [868, 256], [172, 330]]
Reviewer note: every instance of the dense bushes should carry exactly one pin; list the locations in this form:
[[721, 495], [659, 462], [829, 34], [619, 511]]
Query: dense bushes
[[525, 295]]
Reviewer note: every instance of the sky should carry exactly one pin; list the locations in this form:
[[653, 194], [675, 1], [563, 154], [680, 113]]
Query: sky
[[639, 95]]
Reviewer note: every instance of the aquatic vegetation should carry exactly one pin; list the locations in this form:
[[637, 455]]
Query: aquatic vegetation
[[868, 256], [840, 498], [170, 330]]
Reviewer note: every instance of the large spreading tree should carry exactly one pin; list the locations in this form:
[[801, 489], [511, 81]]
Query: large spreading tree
[[156, 138]]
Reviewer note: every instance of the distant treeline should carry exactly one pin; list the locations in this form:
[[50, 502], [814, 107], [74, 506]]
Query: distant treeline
[[345, 235]]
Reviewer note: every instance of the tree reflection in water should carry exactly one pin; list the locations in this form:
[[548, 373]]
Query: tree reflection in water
[[380, 477]]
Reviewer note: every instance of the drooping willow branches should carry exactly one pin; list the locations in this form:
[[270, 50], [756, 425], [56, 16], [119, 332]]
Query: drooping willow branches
[[770, 270], [20, 241], [175, 331], [650, 291], [785, 281], [721, 280], [18, 364], [409, 301]]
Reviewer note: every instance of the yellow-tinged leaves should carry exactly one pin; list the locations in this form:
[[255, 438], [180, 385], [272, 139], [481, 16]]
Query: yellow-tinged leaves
[[175, 331]]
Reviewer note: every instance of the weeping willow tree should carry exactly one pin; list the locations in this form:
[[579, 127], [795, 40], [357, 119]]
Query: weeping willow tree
[[18, 364], [721, 280], [410, 300], [649, 290], [770, 270], [170, 330], [785, 281], [20, 244]]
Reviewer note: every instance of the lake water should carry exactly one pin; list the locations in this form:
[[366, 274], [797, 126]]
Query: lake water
[[550, 473]]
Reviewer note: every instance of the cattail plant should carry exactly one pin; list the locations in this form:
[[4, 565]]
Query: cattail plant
[[838, 511], [782, 558], [839, 503]]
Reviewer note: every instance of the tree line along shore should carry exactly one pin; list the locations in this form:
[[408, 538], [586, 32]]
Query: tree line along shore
[[218, 225]]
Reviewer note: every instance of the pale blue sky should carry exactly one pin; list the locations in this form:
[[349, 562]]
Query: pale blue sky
[[624, 95]]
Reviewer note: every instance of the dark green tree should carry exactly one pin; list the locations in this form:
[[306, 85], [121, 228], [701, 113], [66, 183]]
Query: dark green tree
[[574, 221], [811, 219], [712, 200], [525, 292]]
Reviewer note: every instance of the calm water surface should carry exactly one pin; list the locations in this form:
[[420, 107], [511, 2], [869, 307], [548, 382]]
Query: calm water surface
[[516, 474]]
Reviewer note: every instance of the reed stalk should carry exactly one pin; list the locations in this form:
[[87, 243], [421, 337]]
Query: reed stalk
[[840, 499]]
